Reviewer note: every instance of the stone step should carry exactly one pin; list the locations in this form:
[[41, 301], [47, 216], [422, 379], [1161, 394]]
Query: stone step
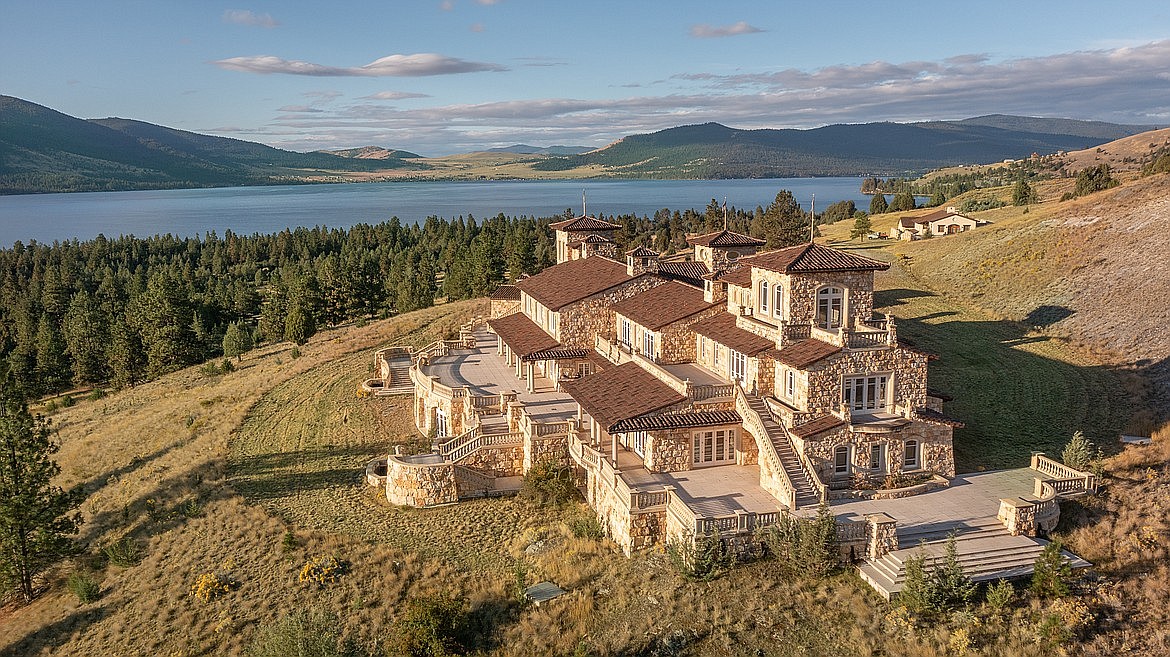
[[940, 532]]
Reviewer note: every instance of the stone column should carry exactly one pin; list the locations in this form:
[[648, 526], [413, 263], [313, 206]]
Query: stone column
[[515, 410], [530, 375], [882, 534]]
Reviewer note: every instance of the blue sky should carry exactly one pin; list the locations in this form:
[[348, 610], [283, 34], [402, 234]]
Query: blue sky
[[439, 77]]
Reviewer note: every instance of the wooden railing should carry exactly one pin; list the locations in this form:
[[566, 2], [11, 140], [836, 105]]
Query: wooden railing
[[767, 451]]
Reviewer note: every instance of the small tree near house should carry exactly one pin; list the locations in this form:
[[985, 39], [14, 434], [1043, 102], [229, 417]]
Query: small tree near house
[[36, 517], [861, 226]]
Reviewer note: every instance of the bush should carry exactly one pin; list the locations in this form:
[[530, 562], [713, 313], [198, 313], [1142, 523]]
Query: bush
[[323, 571], [84, 587], [295, 353], [1094, 179], [428, 627], [312, 633], [805, 546], [124, 552], [210, 586], [1080, 452], [1000, 595], [703, 559], [289, 542], [978, 204], [548, 484], [943, 589], [585, 525], [96, 394], [1051, 573], [226, 367]]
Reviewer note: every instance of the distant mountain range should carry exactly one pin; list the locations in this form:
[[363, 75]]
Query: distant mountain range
[[525, 149], [42, 150], [712, 150]]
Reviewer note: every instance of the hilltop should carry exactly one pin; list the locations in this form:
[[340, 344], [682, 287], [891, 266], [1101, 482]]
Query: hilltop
[[42, 150]]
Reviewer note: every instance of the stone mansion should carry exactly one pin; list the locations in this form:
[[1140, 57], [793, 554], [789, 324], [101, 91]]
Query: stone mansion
[[690, 396]]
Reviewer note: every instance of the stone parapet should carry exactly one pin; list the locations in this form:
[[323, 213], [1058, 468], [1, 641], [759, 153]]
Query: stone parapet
[[420, 484]]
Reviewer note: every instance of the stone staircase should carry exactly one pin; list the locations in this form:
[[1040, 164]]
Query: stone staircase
[[398, 382], [806, 493], [986, 552]]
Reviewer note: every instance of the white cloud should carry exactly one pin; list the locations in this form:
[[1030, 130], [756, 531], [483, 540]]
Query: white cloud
[[705, 31], [246, 17], [447, 5], [416, 65], [1125, 85], [487, 3], [394, 95], [308, 109], [477, 27]]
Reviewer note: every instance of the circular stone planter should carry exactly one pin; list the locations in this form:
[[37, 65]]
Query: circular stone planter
[[936, 482], [376, 472]]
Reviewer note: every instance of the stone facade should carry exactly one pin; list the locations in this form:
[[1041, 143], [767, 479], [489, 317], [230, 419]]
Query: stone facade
[[420, 485], [579, 322], [820, 391], [801, 293], [503, 307], [669, 451], [550, 448], [935, 450], [496, 460]]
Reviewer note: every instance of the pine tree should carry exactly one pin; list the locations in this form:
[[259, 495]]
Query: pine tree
[[903, 201], [861, 226], [236, 341], [878, 205], [36, 518], [1023, 194], [87, 335], [53, 370], [126, 358], [299, 325], [1051, 572]]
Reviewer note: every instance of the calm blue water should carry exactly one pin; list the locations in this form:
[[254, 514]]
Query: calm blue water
[[246, 210]]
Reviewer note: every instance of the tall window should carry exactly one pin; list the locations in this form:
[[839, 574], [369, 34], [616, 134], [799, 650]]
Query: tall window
[[763, 297], [841, 460], [866, 393], [648, 344], [737, 367], [637, 441], [715, 349], [877, 457], [830, 306], [626, 340], [442, 429], [910, 460], [777, 301], [789, 383], [713, 447]]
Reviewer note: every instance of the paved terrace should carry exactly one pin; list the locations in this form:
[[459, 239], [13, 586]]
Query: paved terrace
[[484, 372], [698, 375], [709, 492], [969, 498]]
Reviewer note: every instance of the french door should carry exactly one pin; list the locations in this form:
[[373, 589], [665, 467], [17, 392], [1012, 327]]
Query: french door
[[737, 367], [713, 447], [867, 393]]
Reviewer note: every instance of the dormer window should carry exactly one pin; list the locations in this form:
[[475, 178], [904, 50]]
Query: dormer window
[[763, 297], [830, 307]]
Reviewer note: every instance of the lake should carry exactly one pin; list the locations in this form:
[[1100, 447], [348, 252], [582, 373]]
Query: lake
[[246, 210]]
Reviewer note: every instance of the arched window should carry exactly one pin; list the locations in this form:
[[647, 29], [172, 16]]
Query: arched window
[[830, 307], [841, 460], [763, 297]]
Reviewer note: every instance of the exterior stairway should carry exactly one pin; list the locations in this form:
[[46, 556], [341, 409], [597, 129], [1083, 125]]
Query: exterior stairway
[[986, 552], [398, 383], [806, 493]]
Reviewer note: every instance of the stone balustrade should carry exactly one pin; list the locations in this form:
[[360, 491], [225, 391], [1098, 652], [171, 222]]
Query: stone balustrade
[[773, 477], [1055, 470]]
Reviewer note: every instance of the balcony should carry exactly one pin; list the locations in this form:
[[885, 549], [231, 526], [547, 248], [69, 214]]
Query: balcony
[[873, 334]]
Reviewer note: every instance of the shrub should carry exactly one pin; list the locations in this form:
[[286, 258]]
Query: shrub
[[96, 394], [226, 367], [702, 559], [981, 203], [944, 588], [1051, 573], [124, 552], [191, 509], [1094, 179], [428, 627], [805, 546], [84, 587], [289, 542], [295, 353], [323, 571], [1000, 595], [67, 401], [548, 484], [309, 633], [210, 586], [585, 524], [1080, 452]]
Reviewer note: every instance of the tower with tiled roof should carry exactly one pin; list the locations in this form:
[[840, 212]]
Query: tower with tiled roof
[[720, 250], [584, 236]]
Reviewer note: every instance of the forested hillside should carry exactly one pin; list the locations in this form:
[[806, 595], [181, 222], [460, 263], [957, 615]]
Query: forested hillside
[[129, 309]]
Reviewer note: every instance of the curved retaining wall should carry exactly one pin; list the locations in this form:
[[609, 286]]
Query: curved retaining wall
[[420, 484]]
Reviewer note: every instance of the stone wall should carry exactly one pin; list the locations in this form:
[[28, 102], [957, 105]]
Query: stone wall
[[935, 450], [646, 529], [496, 460], [801, 290], [503, 307], [425, 404], [822, 392], [420, 485], [669, 451], [581, 321], [554, 449], [747, 452], [677, 341]]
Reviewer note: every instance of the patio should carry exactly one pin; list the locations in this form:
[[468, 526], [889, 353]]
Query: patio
[[710, 492]]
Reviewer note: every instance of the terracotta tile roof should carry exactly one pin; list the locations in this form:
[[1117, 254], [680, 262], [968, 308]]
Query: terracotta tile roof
[[521, 334], [642, 252], [687, 271], [818, 426], [557, 353], [621, 393], [722, 329], [663, 305], [725, 238], [804, 353], [934, 417], [812, 258], [740, 275], [686, 420], [569, 282], [583, 223], [938, 214], [506, 293]]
